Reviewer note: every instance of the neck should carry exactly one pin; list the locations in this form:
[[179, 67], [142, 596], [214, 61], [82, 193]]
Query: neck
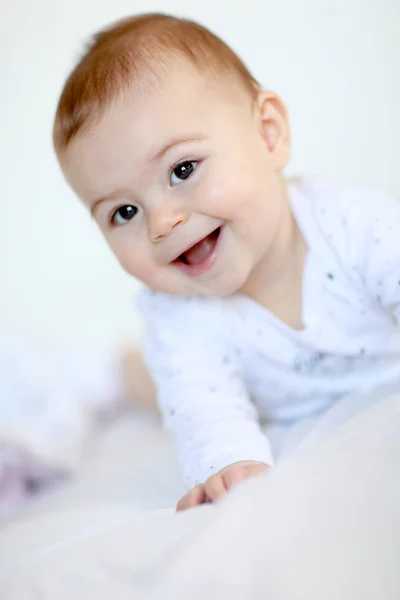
[[277, 277]]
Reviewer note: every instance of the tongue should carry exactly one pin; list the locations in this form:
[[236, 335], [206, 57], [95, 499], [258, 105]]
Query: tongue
[[201, 251]]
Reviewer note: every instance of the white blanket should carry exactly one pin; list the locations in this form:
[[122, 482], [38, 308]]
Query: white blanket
[[323, 525]]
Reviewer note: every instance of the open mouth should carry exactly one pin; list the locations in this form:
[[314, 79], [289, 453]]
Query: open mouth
[[201, 256]]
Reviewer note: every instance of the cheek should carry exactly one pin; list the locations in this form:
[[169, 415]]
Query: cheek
[[255, 212], [133, 257], [236, 187], [221, 195]]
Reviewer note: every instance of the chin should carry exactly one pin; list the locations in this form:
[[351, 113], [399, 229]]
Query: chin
[[220, 285], [223, 287]]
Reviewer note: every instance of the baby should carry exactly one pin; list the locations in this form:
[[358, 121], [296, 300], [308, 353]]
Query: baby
[[266, 300]]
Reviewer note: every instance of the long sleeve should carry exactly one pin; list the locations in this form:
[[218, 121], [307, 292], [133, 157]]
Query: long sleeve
[[201, 392]]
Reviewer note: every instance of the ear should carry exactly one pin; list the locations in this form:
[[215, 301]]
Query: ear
[[274, 127]]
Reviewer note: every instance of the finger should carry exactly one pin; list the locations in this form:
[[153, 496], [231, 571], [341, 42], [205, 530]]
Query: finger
[[215, 487], [254, 470], [233, 476], [239, 472], [193, 498]]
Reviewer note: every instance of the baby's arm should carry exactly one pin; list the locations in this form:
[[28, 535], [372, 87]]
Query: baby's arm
[[201, 393]]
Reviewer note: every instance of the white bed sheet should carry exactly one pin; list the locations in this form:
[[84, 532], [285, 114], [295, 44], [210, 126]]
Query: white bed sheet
[[133, 461], [324, 524]]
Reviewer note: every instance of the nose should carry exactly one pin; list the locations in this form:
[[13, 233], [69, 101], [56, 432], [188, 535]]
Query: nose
[[163, 222]]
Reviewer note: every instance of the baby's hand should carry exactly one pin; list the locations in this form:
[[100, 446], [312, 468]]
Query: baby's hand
[[217, 485]]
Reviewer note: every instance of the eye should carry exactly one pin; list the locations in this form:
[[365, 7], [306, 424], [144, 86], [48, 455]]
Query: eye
[[124, 214], [183, 171]]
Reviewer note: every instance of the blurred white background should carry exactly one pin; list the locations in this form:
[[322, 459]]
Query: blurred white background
[[335, 63]]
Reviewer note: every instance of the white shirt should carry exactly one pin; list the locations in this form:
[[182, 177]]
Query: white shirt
[[222, 365]]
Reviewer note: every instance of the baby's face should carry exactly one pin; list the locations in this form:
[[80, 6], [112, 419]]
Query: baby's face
[[182, 184]]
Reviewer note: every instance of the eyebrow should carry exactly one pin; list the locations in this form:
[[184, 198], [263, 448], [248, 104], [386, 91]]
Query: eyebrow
[[99, 201], [176, 141]]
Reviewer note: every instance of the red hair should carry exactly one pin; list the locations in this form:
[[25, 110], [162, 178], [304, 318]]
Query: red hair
[[132, 51]]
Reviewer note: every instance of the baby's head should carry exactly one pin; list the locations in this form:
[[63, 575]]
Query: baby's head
[[168, 140]]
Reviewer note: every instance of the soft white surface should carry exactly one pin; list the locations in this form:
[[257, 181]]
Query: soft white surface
[[221, 364], [131, 462], [51, 406], [323, 524], [335, 63]]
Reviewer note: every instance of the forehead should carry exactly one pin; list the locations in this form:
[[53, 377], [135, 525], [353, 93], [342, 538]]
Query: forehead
[[135, 126]]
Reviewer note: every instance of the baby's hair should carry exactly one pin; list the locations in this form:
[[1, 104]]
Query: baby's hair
[[132, 52]]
